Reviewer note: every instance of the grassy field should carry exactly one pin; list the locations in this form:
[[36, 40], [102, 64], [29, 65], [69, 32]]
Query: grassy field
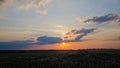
[[90, 58]]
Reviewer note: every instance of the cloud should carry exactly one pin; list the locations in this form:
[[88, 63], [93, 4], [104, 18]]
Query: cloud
[[111, 17], [80, 19], [27, 5], [77, 35], [42, 40], [114, 39], [72, 36], [43, 12], [34, 4], [18, 45], [6, 3], [14, 45], [48, 40], [37, 5]]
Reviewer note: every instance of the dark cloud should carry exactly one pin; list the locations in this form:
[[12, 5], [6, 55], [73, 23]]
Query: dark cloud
[[84, 32], [14, 45], [105, 18], [111, 17], [17, 45], [78, 34], [48, 40], [42, 40]]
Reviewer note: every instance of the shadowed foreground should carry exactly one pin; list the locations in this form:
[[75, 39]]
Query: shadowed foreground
[[98, 58]]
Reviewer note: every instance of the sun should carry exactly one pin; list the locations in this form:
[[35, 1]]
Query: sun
[[63, 44]]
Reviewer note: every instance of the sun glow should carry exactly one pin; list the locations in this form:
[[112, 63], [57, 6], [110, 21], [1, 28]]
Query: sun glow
[[63, 44]]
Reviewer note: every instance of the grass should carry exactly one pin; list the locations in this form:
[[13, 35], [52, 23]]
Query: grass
[[90, 58]]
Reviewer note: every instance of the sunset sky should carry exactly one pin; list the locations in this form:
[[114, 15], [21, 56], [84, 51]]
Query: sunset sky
[[59, 24]]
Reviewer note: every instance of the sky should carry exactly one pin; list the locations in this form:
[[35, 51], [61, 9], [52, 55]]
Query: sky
[[59, 24]]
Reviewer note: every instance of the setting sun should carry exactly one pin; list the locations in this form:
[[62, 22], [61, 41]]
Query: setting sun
[[63, 44]]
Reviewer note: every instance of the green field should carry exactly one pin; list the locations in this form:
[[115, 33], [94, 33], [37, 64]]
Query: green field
[[90, 58]]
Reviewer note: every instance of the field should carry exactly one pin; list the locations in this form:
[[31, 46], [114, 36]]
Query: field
[[89, 58]]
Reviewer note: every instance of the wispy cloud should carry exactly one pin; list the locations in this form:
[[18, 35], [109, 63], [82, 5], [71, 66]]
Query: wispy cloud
[[77, 35], [26, 5], [6, 3], [114, 39], [37, 5], [43, 12], [111, 18], [34, 4]]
